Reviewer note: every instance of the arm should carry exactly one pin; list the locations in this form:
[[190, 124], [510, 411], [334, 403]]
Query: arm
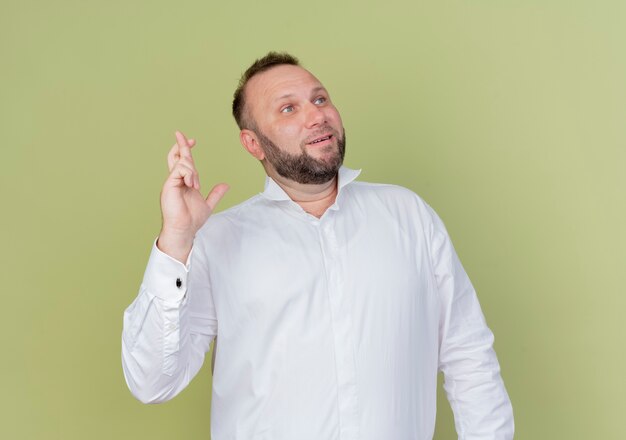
[[472, 381], [170, 325]]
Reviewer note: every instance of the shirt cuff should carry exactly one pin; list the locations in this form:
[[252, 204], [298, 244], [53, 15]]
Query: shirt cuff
[[165, 277]]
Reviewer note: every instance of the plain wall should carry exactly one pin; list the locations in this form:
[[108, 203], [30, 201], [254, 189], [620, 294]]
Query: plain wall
[[507, 117]]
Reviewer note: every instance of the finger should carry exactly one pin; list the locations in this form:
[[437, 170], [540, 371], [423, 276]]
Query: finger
[[187, 162], [183, 146], [188, 179], [182, 175], [195, 178], [216, 194], [185, 174], [191, 143], [172, 157]]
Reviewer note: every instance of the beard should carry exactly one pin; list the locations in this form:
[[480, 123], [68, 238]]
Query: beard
[[304, 168]]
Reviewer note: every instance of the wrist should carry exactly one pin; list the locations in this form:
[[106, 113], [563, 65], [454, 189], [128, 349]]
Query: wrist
[[175, 244]]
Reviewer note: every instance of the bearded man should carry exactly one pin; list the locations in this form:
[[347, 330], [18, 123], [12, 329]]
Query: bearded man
[[335, 302]]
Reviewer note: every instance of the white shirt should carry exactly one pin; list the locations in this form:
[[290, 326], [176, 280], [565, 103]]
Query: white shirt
[[329, 329]]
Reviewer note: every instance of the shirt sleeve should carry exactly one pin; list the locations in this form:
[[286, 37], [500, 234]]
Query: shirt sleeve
[[481, 406], [169, 326]]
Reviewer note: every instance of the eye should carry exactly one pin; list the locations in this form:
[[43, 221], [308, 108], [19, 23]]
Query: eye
[[320, 100], [287, 109]]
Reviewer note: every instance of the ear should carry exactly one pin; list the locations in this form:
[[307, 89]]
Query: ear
[[250, 142]]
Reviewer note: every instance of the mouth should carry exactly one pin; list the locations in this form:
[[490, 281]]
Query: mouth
[[322, 140]]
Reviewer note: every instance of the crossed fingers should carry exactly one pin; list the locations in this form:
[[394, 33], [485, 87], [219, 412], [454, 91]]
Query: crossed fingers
[[179, 159]]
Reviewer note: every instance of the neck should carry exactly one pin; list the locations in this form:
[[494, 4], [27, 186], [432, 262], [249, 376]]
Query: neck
[[313, 198]]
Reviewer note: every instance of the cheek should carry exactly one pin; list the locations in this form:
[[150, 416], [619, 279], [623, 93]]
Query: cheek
[[334, 116], [288, 133]]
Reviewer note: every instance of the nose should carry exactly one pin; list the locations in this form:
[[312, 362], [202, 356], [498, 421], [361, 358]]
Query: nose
[[314, 115]]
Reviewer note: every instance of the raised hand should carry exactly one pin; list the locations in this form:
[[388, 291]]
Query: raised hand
[[183, 207]]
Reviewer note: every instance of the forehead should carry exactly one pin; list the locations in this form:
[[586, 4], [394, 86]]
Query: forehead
[[277, 82]]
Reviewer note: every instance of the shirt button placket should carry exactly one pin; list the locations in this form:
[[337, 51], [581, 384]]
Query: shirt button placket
[[347, 398]]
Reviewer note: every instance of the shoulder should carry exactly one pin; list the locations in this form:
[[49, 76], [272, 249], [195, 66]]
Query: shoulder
[[392, 196], [231, 219], [242, 209], [382, 190], [402, 204]]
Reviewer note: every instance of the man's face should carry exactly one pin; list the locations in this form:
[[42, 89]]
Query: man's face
[[296, 124]]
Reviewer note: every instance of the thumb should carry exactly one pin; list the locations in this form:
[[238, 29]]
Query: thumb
[[216, 194]]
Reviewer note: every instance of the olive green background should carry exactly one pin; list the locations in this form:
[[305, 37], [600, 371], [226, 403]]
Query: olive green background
[[508, 117]]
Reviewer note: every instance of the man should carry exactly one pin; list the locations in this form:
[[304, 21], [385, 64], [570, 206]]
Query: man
[[336, 302]]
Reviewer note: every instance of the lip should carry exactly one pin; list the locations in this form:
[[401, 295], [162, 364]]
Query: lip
[[322, 143]]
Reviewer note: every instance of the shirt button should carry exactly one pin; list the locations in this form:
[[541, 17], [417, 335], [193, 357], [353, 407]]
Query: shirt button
[[179, 282]]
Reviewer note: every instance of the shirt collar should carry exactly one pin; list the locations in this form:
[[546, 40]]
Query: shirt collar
[[273, 191]]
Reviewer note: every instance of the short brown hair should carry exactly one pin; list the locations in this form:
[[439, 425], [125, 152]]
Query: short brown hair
[[272, 59]]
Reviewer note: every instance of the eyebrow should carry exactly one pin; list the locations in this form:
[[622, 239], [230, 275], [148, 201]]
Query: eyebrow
[[313, 92]]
